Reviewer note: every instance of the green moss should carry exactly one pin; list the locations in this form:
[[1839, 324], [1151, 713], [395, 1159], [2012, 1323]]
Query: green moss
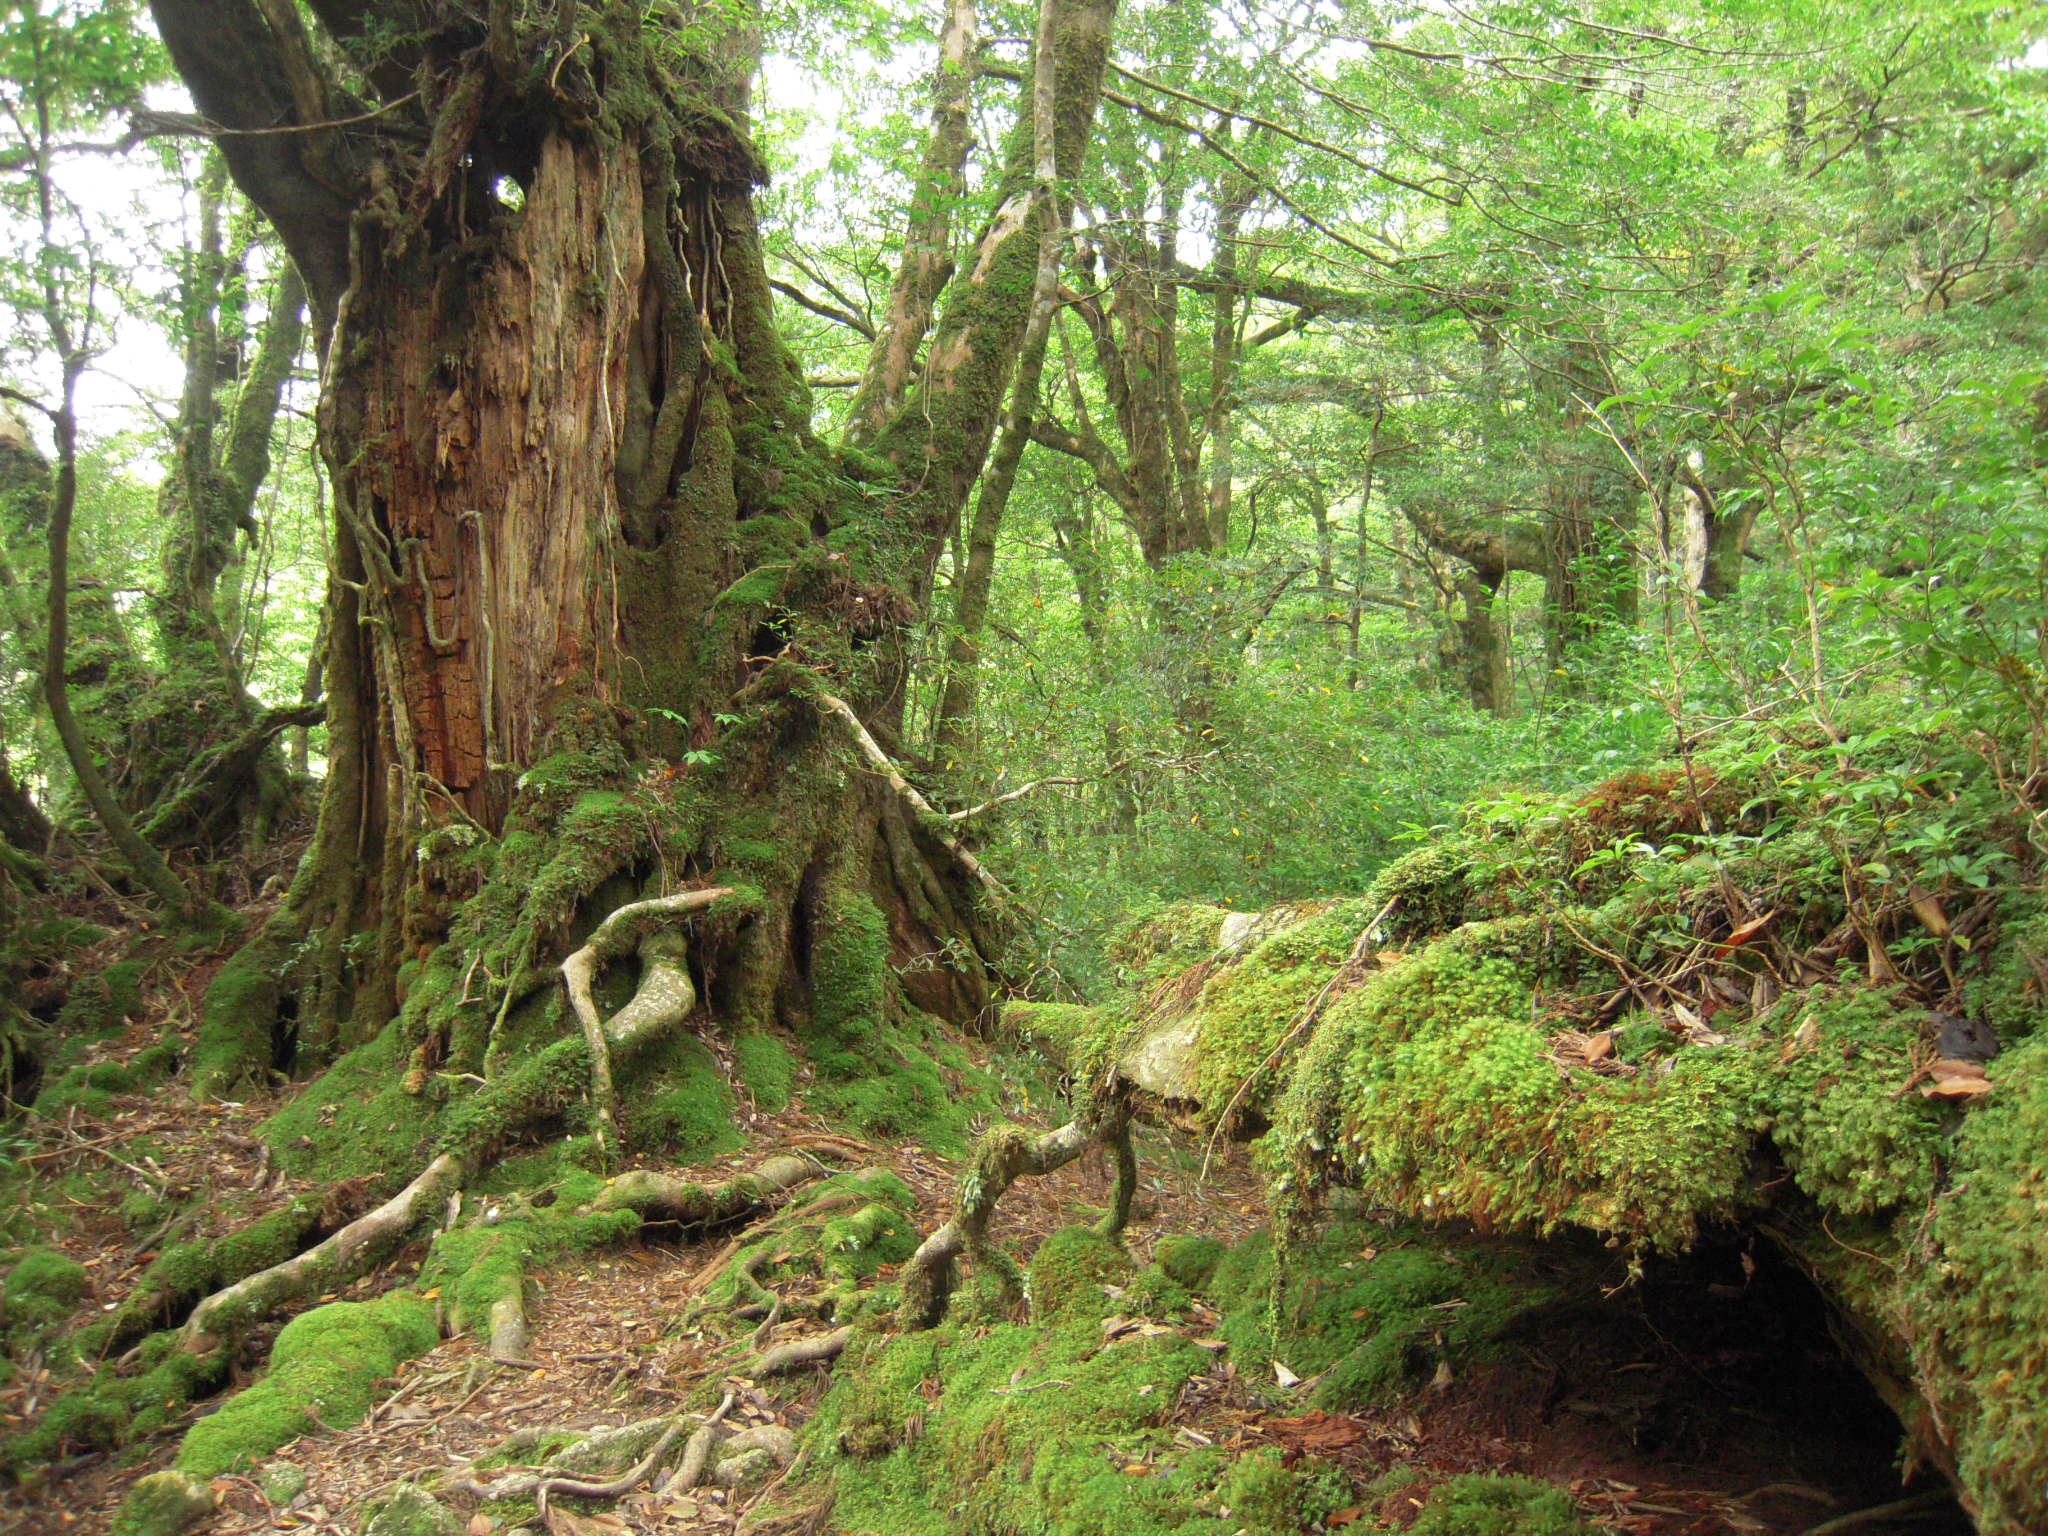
[[236, 1016], [1973, 1296], [1372, 1309], [1069, 1271], [1267, 1495], [1486, 1504], [355, 1118], [1431, 1087], [765, 1068], [324, 1372], [680, 1103], [475, 1266], [1189, 1260], [973, 1433], [1428, 888], [163, 1504], [1851, 1140], [850, 970], [43, 1274], [98, 1005], [1167, 940]]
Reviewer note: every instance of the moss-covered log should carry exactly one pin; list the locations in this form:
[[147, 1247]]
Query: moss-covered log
[[1511, 1058]]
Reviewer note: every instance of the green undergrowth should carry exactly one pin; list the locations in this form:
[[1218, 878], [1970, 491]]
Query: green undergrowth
[[1059, 1427]]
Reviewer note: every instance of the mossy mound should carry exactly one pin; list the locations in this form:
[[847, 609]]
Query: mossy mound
[[1370, 1310], [323, 1374], [1652, 1009], [1043, 1428]]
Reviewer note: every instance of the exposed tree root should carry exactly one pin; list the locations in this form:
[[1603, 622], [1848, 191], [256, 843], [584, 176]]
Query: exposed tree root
[[784, 1358], [341, 1257], [662, 1000], [510, 1331], [665, 1197], [933, 821], [709, 1456], [1005, 1156]]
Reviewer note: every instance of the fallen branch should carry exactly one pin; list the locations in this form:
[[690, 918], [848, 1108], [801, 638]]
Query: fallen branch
[[325, 1265]]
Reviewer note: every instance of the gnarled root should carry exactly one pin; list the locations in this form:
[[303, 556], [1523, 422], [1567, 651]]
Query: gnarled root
[[1006, 1155], [784, 1358], [663, 999], [665, 1197], [325, 1265]]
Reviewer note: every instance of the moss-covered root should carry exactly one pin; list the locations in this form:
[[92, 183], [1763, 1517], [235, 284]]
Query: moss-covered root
[[1005, 1156], [658, 1196], [662, 1000], [341, 1257]]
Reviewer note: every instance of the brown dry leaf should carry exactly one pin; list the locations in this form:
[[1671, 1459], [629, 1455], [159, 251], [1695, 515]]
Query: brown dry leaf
[[1349, 1515], [481, 1524], [1928, 910], [1957, 1088], [1316, 1430], [1742, 933], [1599, 1047]]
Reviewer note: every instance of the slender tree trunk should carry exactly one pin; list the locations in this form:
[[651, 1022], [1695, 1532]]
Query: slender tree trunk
[[927, 261], [144, 862], [977, 575]]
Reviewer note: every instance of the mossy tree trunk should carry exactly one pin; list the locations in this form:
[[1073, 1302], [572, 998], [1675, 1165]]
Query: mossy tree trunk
[[592, 567]]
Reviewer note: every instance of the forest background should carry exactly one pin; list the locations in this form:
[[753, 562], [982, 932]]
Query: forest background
[[1184, 454]]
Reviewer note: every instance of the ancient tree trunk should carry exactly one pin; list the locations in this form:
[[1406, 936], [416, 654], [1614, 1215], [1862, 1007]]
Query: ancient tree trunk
[[581, 519]]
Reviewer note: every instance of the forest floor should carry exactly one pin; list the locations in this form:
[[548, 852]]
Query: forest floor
[[1705, 1400]]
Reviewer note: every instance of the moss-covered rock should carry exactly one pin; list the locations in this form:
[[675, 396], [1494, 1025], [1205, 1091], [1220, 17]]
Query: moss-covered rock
[[409, 1510], [163, 1504]]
